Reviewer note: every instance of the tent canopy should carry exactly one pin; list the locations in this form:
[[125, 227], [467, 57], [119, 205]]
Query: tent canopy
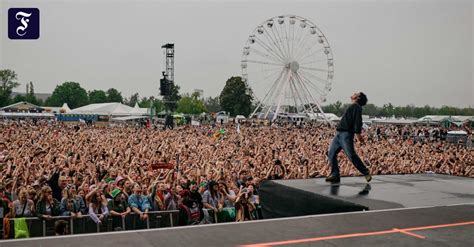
[[22, 106], [329, 116], [440, 118], [457, 132], [128, 118], [112, 109], [63, 109], [393, 121]]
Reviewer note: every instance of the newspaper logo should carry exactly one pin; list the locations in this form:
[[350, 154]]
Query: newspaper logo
[[23, 23]]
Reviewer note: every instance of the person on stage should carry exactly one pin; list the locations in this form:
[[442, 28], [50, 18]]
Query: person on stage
[[350, 125]]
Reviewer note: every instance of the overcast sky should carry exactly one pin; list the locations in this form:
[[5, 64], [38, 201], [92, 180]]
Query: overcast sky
[[403, 52]]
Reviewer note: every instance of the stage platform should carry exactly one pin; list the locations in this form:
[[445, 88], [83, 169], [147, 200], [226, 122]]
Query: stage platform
[[408, 210], [286, 198]]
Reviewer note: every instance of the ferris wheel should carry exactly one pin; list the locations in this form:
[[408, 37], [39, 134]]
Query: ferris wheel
[[289, 65]]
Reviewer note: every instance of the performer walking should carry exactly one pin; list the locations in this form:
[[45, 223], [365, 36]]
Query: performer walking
[[350, 125]]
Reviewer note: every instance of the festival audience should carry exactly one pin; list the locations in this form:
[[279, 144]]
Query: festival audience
[[49, 168]]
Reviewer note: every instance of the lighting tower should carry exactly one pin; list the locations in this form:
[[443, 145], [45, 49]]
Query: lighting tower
[[169, 62]]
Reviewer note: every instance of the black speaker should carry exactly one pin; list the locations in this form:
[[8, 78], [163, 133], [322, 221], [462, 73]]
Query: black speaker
[[164, 87]]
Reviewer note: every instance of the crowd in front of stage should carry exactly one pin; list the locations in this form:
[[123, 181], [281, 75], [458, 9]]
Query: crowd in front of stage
[[207, 173]]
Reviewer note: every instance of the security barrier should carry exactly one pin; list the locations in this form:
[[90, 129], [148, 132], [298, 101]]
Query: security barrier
[[38, 227]]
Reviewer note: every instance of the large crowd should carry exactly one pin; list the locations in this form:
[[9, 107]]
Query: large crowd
[[55, 169]]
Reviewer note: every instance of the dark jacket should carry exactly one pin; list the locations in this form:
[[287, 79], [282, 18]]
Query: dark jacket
[[4, 206], [351, 121], [41, 208], [119, 207], [196, 197], [53, 183]]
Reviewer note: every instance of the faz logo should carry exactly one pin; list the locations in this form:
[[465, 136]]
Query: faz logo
[[23, 23]]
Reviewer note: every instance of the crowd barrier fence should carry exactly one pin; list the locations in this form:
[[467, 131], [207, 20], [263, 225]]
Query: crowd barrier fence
[[42, 227], [39, 227]]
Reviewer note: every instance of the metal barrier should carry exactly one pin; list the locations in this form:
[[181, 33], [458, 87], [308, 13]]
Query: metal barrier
[[209, 216], [156, 219], [45, 227], [221, 217]]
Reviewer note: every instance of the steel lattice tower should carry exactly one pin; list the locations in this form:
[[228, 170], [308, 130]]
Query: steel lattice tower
[[169, 61]]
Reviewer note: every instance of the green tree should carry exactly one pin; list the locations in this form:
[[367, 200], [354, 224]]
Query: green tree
[[171, 101], [409, 110], [31, 90], [212, 104], [448, 110], [185, 105], [113, 95], [30, 94], [146, 102], [467, 111], [134, 98], [97, 96], [7, 84], [370, 109], [158, 105], [236, 97], [151, 102], [329, 109], [398, 111], [388, 110], [18, 98], [336, 108], [69, 92], [191, 104], [418, 112]]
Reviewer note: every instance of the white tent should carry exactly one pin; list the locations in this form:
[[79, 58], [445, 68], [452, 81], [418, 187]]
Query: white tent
[[136, 110], [63, 109], [128, 118], [457, 132], [239, 117], [66, 108], [440, 118], [393, 121], [110, 109], [26, 114], [320, 116]]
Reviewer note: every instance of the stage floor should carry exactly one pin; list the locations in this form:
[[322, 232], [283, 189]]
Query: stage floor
[[431, 226], [407, 210], [392, 191]]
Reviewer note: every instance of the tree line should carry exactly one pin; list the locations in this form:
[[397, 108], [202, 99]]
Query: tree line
[[408, 111], [235, 98]]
